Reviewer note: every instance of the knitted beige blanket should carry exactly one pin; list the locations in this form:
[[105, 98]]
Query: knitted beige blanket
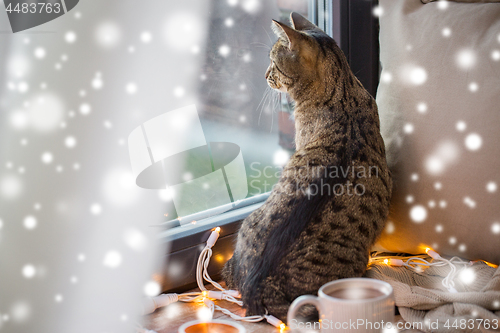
[[421, 298]]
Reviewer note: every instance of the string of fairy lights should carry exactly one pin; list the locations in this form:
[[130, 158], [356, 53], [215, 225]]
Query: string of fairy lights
[[207, 297]]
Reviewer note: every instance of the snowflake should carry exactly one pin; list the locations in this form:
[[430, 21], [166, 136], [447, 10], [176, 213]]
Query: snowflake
[[30, 222], [378, 11], [112, 259], [47, 157], [473, 141], [473, 87], [70, 37], [131, 88], [70, 142], [466, 59], [152, 288], [418, 214], [422, 107], [495, 228], [146, 37], [40, 53], [461, 126], [96, 209], [224, 50], [108, 34]]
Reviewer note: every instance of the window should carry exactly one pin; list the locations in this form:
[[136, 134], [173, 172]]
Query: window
[[240, 116]]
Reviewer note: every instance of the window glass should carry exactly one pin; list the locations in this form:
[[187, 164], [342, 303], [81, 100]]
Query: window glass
[[236, 106]]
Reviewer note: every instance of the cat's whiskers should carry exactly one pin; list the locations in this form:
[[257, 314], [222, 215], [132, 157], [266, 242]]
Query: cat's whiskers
[[263, 102], [270, 39], [263, 45]]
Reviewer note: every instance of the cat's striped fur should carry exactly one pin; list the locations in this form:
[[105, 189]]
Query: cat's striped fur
[[301, 238]]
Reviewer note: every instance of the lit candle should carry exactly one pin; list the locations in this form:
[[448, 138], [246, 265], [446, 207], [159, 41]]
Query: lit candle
[[215, 326]]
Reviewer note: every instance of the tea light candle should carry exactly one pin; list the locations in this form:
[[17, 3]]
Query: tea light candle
[[214, 326]]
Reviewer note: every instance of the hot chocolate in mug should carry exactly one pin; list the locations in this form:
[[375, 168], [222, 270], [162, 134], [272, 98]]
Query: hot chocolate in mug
[[348, 306]]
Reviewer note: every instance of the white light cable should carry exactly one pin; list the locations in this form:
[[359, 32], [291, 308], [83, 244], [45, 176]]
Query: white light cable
[[206, 295], [415, 263], [228, 295]]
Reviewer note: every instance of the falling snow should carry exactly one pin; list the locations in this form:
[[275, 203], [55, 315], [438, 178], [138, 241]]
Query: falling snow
[[467, 276], [179, 92], [146, 37], [408, 128], [11, 187], [466, 59], [495, 55], [30, 222], [40, 53], [491, 187], [378, 11], [418, 214], [47, 157], [461, 126], [85, 109], [29, 271], [473, 141], [70, 37], [152, 288], [386, 77], [469, 202], [495, 228], [112, 259], [442, 4], [131, 88], [96, 209], [473, 87], [70, 142], [108, 34], [422, 107], [229, 22], [204, 314], [224, 50], [135, 239]]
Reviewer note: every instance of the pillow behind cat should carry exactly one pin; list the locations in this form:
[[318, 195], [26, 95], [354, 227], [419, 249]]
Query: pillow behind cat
[[439, 103]]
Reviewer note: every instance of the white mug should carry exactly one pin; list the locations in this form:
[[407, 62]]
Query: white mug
[[211, 326], [348, 305]]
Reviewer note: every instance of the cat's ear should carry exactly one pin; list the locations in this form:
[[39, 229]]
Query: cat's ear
[[300, 23], [287, 34]]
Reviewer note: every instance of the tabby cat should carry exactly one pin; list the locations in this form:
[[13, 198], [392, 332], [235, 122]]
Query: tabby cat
[[332, 199]]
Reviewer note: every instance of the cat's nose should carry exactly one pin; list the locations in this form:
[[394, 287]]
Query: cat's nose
[[267, 72]]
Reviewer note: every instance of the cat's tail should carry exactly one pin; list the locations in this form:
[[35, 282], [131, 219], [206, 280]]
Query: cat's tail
[[293, 214]]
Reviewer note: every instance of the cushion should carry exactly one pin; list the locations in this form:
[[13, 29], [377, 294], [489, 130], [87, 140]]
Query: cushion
[[439, 104], [427, 1]]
